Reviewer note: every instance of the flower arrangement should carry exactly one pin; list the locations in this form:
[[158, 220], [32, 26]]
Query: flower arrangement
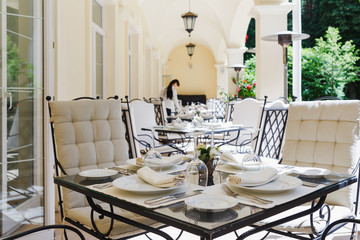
[[207, 153], [245, 88]]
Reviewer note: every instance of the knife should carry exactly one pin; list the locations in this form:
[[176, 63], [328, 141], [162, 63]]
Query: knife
[[168, 198]]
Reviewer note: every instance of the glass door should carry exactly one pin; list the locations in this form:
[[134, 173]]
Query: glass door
[[21, 86]]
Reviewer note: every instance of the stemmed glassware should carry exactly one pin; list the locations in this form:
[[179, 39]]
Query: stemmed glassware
[[251, 158], [196, 171], [152, 155]]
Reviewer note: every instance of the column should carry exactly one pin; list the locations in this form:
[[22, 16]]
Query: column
[[270, 19], [296, 88], [222, 79]]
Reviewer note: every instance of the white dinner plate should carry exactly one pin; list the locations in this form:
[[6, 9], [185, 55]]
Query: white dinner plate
[[136, 185], [311, 172], [259, 184], [282, 183], [153, 166], [211, 202], [96, 174]]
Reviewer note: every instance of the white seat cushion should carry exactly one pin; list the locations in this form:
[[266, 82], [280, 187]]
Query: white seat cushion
[[302, 225], [120, 229]]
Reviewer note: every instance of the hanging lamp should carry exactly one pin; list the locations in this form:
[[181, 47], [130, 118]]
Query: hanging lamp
[[189, 20]]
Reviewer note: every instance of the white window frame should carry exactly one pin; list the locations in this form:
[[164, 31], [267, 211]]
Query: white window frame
[[96, 29]]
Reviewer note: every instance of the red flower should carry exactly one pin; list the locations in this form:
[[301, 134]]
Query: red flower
[[254, 84], [246, 38], [249, 87], [244, 81]]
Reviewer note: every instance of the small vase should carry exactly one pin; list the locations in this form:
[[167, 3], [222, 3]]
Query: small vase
[[211, 165]]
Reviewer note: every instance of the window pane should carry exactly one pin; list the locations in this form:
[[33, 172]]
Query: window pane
[[99, 65], [97, 13]]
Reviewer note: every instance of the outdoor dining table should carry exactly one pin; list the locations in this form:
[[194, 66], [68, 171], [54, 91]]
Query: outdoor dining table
[[207, 129], [206, 224]]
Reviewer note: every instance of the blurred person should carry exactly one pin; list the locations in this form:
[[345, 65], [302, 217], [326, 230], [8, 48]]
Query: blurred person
[[169, 95]]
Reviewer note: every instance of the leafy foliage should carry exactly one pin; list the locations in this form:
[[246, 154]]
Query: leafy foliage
[[342, 14], [17, 67], [327, 67]]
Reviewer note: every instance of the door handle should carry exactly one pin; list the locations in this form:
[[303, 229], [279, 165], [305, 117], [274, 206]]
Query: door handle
[[9, 95]]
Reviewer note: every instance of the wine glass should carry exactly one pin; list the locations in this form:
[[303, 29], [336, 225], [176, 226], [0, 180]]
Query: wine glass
[[251, 158], [196, 170], [152, 156]]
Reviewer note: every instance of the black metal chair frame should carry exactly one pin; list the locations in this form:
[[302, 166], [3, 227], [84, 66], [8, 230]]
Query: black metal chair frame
[[43, 228], [270, 141], [344, 221], [58, 167], [329, 227]]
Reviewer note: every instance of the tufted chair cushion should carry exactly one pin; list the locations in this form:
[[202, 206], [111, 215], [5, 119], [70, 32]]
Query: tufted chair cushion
[[89, 134], [324, 134]]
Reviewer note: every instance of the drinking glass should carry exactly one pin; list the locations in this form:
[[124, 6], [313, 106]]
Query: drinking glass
[[196, 170], [153, 156], [251, 158]]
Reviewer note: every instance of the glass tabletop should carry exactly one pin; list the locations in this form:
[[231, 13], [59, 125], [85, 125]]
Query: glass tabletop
[[204, 223]]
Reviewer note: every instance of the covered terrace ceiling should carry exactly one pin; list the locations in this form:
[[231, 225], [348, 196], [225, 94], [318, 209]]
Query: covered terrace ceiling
[[220, 24]]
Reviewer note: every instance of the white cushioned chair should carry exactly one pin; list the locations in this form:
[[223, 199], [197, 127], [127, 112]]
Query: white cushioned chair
[[143, 117], [322, 134], [90, 134], [247, 113]]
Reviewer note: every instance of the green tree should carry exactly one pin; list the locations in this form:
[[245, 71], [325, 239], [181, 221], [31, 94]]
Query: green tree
[[318, 15], [327, 67]]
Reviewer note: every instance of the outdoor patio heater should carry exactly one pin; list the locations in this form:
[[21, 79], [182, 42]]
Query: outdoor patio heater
[[285, 38], [237, 68]]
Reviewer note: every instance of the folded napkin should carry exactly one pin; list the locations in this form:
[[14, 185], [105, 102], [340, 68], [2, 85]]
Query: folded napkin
[[253, 178], [229, 157], [164, 161], [158, 179]]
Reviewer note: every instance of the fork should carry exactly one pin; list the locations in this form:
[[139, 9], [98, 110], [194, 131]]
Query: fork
[[246, 196]]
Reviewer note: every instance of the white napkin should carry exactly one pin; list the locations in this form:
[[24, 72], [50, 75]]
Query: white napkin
[[229, 157], [164, 161], [253, 178], [159, 180]]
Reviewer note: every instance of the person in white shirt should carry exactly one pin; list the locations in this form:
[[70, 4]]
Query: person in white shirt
[[169, 95]]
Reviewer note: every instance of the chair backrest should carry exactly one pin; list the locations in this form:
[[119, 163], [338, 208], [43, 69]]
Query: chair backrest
[[218, 107], [324, 134], [248, 112], [129, 132], [230, 109], [142, 116], [159, 110], [88, 134], [272, 130]]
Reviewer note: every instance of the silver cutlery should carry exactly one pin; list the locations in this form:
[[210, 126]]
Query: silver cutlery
[[171, 197], [246, 196], [103, 185], [123, 171], [309, 184]]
